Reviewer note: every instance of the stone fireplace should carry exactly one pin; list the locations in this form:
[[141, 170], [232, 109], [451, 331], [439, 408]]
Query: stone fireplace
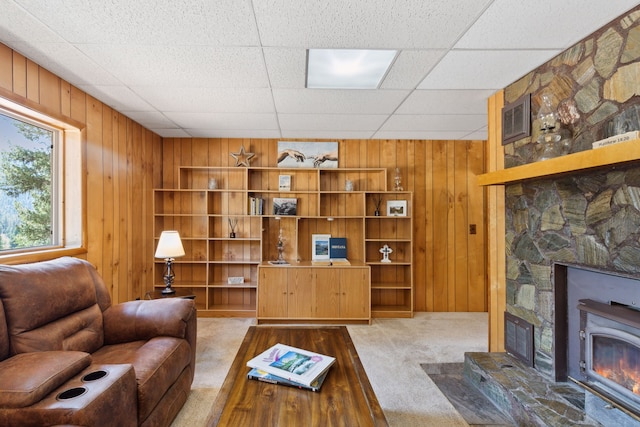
[[560, 228]]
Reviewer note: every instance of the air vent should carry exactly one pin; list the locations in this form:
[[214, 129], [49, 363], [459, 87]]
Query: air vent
[[518, 338]]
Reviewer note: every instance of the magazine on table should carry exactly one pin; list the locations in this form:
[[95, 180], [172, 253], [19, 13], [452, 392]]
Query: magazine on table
[[258, 375], [292, 363]]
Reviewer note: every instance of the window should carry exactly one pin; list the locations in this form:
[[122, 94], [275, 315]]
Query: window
[[41, 206], [28, 176]]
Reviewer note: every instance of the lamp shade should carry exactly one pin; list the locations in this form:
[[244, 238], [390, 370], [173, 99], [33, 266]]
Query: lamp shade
[[170, 245]]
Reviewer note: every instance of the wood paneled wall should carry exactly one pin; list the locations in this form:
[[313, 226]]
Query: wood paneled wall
[[120, 157], [125, 161], [450, 272]]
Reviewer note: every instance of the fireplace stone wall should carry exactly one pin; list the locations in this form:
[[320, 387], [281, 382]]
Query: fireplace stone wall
[[591, 219]]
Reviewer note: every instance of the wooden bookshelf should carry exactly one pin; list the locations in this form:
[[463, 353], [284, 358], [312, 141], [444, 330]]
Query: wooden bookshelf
[[201, 215]]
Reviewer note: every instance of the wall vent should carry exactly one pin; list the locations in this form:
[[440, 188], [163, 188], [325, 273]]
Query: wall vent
[[518, 338]]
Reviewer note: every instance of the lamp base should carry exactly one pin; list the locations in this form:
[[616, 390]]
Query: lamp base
[[168, 291]]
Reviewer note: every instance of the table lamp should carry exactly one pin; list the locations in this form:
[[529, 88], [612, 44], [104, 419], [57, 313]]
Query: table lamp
[[169, 248]]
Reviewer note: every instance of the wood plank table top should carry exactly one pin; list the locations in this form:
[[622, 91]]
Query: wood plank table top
[[345, 399]]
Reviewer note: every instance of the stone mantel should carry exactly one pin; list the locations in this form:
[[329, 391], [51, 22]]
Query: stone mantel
[[611, 155]]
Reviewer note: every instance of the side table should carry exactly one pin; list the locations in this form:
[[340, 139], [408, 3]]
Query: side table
[[179, 293]]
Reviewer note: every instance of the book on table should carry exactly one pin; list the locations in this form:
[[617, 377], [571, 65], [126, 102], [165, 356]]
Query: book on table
[[258, 375], [292, 363]]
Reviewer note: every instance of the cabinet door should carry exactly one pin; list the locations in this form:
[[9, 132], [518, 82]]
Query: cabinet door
[[355, 299], [272, 292], [327, 292], [300, 288]]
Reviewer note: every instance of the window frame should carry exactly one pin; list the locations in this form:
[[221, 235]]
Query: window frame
[[69, 208]]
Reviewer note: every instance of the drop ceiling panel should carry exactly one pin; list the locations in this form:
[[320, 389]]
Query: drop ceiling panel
[[546, 24], [207, 100], [327, 134], [417, 134], [153, 119], [149, 22], [321, 101], [202, 66], [224, 121], [65, 59], [450, 122], [231, 133], [446, 102], [286, 67], [355, 122], [119, 97], [410, 68], [359, 24], [485, 69]]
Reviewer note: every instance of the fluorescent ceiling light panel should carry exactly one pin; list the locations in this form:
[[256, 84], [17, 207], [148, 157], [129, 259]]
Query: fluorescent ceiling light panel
[[347, 68]]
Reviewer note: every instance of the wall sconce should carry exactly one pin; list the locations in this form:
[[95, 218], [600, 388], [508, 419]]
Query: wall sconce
[[169, 248]]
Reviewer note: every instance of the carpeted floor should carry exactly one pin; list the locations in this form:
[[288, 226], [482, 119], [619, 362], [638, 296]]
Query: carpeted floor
[[391, 350]]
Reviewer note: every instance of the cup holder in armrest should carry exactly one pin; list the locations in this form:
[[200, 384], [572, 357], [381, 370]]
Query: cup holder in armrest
[[93, 376], [71, 393]]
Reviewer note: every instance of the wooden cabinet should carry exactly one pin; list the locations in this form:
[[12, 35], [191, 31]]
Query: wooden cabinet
[[328, 293], [211, 203]]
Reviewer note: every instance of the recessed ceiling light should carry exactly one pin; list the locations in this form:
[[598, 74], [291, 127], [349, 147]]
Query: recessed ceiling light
[[347, 68]]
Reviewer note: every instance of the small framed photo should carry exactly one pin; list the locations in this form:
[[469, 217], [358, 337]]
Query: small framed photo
[[397, 208], [285, 206], [284, 183], [320, 246]]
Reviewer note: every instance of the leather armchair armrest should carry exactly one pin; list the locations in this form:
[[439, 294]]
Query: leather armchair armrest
[[27, 378], [143, 319]]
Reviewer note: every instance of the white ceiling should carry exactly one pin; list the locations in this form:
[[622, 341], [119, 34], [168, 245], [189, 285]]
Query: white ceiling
[[236, 68]]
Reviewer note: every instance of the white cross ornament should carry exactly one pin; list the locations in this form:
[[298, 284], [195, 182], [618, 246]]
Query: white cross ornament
[[385, 251]]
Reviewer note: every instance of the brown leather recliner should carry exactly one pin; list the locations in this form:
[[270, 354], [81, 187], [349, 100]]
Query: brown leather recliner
[[67, 356]]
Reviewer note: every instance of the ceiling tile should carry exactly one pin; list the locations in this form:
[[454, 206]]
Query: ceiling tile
[[359, 24], [419, 134], [331, 121], [149, 22], [446, 102], [231, 133], [207, 100], [250, 121], [327, 134], [286, 68], [410, 68], [479, 135], [171, 133], [449, 122], [486, 69], [150, 119], [328, 101], [120, 97], [557, 25], [65, 60], [203, 66]]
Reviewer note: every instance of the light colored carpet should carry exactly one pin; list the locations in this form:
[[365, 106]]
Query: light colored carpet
[[391, 351]]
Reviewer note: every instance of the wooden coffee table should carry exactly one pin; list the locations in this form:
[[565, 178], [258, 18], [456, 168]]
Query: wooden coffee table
[[345, 399]]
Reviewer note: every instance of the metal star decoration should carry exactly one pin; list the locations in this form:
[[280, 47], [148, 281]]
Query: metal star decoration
[[242, 158]]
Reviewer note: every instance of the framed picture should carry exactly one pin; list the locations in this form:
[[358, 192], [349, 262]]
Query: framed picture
[[320, 247], [284, 183], [293, 154], [285, 206], [397, 208]]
